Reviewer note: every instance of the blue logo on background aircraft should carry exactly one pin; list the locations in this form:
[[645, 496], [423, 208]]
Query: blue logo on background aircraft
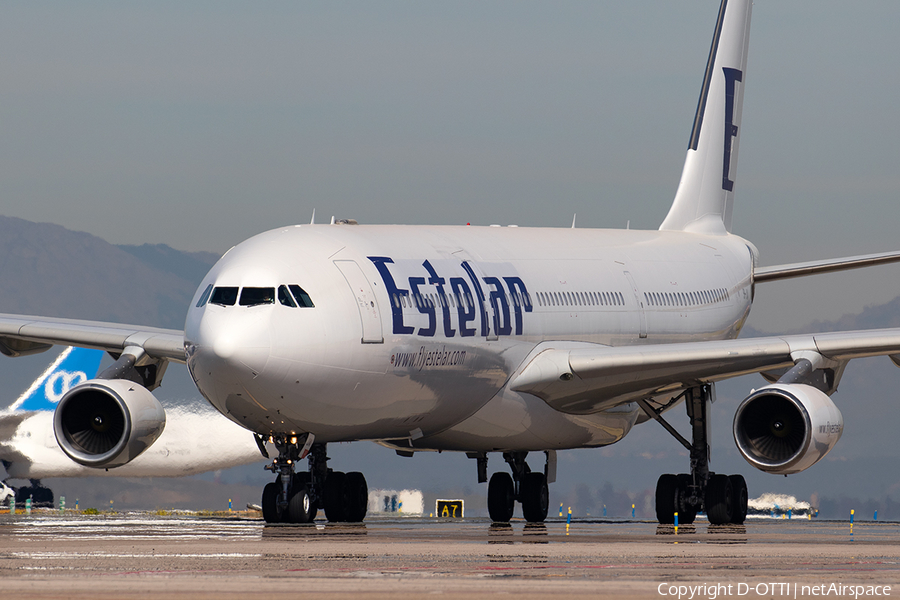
[[73, 366]]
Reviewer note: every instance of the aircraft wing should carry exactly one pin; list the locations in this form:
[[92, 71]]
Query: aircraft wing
[[21, 335], [774, 273], [587, 380]]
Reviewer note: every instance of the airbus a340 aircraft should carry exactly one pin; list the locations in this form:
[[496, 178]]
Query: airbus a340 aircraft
[[485, 340], [28, 447]]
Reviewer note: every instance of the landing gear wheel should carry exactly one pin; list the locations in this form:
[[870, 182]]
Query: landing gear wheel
[[719, 500], [667, 489], [356, 494], [501, 498], [300, 508], [335, 497], [688, 512], [535, 497], [739, 502], [40, 496], [270, 503]]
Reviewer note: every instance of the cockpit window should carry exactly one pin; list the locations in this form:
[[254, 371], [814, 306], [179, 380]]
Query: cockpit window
[[285, 298], [302, 297], [225, 296], [251, 296], [205, 296]]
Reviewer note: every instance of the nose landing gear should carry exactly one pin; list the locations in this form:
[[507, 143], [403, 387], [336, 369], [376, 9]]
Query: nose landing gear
[[297, 497], [526, 486]]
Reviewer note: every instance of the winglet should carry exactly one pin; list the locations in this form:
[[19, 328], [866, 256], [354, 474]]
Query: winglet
[[703, 202], [70, 368]]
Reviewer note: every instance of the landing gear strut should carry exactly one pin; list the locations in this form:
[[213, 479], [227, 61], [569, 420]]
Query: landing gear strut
[[297, 497], [524, 485], [723, 497]]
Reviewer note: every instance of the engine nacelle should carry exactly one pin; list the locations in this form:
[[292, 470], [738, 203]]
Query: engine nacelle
[[107, 422], [786, 428]]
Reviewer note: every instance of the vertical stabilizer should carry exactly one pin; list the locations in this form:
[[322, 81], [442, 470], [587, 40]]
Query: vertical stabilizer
[[72, 367], [703, 202]]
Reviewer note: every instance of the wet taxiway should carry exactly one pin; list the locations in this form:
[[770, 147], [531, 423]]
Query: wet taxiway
[[110, 556]]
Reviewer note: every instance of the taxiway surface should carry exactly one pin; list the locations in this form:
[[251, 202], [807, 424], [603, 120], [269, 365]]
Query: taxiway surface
[[141, 555]]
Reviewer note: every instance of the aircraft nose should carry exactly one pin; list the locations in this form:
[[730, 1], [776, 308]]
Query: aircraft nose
[[238, 342]]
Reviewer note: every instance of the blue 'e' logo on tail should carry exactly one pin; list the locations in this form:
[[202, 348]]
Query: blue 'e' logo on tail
[[73, 366]]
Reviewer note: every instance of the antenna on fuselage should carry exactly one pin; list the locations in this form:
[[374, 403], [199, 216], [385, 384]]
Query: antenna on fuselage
[[332, 219], [313, 220], [573, 220]]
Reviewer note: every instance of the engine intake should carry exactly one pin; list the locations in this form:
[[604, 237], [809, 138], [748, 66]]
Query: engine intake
[[107, 422], [786, 428]]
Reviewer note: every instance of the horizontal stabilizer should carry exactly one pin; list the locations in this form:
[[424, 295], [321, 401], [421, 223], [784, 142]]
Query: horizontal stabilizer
[[761, 274]]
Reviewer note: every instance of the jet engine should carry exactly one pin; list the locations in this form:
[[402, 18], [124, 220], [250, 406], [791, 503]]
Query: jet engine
[[106, 423], [786, 428]]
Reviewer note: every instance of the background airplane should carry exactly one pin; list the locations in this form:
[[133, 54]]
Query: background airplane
[[196, 439]]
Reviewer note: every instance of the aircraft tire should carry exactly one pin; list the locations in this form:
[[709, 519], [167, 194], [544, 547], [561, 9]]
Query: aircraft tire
[[501, 497], [667, 493], [300, 508], [40, 496], [356, 493], [739, 504], [335, 497], [270, 503], [535, 497], [719, 500], [687, 513]]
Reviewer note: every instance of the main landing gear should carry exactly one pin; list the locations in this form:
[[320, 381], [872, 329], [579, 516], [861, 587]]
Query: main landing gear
[[297, 497], [723, 497], [39, 495], [524, 485]]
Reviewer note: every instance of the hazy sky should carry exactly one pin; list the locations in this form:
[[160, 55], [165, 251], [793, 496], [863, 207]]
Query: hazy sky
[[199, 124]]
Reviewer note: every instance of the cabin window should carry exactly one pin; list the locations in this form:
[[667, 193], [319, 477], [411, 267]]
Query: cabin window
[[253, 296], [205, 296], [224, 296], [300, 295], [285, 298]]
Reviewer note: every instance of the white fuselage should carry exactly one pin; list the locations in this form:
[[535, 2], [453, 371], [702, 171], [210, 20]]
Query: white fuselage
[[416, 330]]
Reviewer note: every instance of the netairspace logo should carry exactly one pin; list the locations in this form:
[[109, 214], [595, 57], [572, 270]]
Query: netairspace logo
[[771, 590]]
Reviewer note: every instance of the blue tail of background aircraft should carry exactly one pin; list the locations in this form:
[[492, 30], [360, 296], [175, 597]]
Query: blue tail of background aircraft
[[70, 368]]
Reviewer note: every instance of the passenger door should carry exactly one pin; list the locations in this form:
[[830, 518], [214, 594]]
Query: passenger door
[[369, 315]]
